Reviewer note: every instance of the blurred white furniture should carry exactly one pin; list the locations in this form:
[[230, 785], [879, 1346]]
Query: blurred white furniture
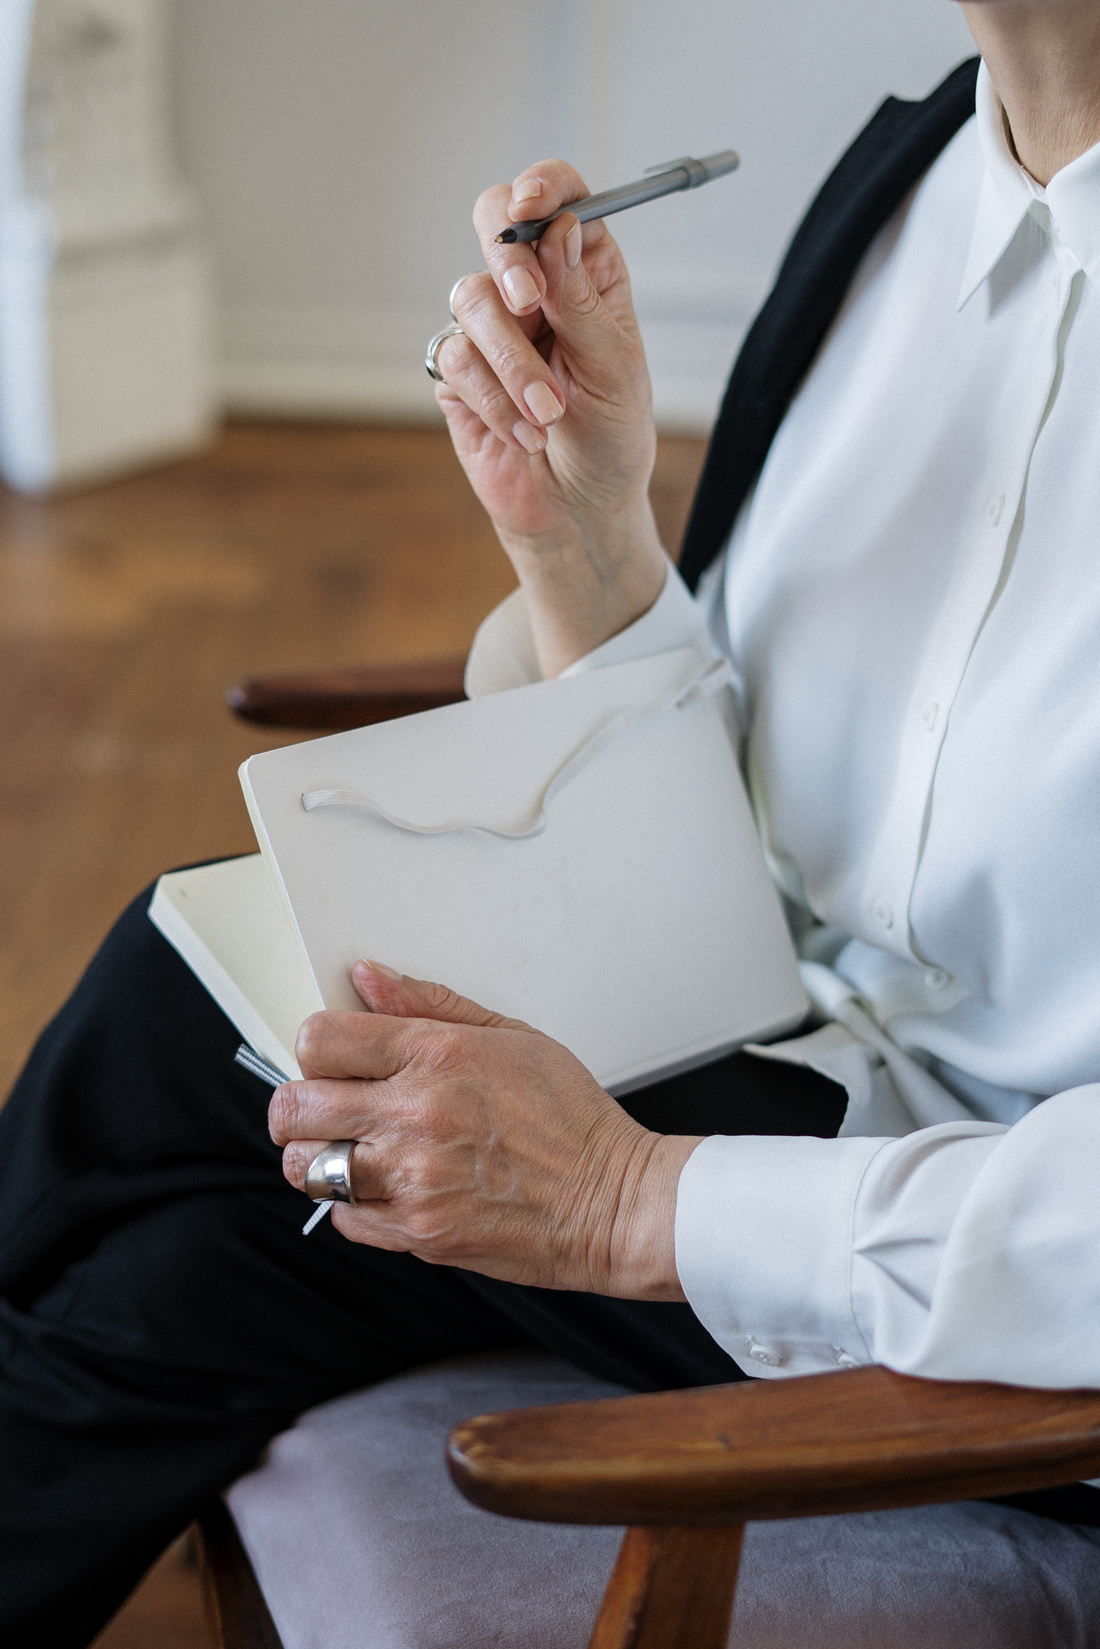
[[105, 308]]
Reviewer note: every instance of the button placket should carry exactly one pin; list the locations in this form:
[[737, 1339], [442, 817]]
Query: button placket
[[883, 913], [892, 872]]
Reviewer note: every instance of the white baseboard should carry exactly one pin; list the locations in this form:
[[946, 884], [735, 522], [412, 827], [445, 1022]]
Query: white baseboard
[[368, 363], [374, 391], [327, 363]]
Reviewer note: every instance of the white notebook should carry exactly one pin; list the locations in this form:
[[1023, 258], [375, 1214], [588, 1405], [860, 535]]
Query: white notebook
[[579, 853], [230, 926]]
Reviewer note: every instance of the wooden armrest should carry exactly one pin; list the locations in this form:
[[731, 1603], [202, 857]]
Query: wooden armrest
[[236, 1613], [857, 1441], [332, 700]]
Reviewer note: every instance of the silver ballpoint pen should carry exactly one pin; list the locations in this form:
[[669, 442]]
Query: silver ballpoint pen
[[686, 173]]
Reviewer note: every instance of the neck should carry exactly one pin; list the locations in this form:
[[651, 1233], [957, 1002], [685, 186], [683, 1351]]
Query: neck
[[1043, 57]]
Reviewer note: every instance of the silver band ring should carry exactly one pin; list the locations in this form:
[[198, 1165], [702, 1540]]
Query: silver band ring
[[454, 289], [328, 1177], [431, 355]]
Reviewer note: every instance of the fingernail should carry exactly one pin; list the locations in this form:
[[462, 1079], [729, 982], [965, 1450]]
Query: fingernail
[[530, 439], [544, 404], [529, 189], [520, 287], [574, 243], [381, 968]]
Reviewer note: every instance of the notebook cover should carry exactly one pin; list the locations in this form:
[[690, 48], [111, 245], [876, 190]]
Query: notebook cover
[[640, 927]]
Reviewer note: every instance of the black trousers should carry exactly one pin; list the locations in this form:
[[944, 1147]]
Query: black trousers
[[161, 1315]]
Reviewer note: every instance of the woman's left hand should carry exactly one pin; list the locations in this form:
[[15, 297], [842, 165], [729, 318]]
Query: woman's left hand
[[481, 1143]]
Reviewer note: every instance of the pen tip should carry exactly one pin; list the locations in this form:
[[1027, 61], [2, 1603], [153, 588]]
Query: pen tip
[[506, 237]]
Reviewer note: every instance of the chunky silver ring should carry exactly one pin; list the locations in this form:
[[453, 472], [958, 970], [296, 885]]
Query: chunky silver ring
[[430, 358], [454, 289], [328, 1177]]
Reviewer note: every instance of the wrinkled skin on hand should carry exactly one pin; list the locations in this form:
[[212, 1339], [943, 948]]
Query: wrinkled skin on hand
[[481, 1143]]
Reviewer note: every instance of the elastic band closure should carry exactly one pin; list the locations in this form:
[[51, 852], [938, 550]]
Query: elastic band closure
[[706, 683]]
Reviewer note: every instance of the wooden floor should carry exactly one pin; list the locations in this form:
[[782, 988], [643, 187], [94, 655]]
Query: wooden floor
[[127, 609]]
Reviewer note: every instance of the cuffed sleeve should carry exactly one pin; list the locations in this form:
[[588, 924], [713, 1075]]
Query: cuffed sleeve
[[673, 621], [966, 1251], [976, 1252], [503, 652], [764, 1249]]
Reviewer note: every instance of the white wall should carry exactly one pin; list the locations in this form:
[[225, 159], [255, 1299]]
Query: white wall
[[337, 147]]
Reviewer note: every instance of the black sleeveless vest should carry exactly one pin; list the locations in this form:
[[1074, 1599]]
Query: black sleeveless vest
[[866, 186]]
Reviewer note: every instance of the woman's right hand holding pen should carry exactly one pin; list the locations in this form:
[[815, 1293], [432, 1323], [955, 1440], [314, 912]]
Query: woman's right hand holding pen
[[548, 403]]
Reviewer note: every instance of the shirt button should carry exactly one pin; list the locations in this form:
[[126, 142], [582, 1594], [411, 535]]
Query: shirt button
[[993, 509], [764, 1354], [929, 713], [883, 913], [845, 1360], [937, 978]]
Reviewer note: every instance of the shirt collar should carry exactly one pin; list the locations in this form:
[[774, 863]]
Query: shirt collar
[[1068, 209]]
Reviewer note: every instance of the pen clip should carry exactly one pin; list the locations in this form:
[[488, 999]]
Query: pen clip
[[682, 164]]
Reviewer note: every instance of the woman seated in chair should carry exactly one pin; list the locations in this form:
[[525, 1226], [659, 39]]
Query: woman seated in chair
[[896, 543]]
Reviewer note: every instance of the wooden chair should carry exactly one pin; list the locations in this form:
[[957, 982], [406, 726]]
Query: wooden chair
[[329, 701], [684, 1471]]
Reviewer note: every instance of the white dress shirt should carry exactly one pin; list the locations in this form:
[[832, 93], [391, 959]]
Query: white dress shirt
[[911, 602]]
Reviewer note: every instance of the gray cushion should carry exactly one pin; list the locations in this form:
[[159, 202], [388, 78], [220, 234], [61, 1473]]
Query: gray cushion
[[360, 1542]]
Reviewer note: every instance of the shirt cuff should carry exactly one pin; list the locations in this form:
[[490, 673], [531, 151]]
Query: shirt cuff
[[673, 621], [503, 651], [764, 1249]]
